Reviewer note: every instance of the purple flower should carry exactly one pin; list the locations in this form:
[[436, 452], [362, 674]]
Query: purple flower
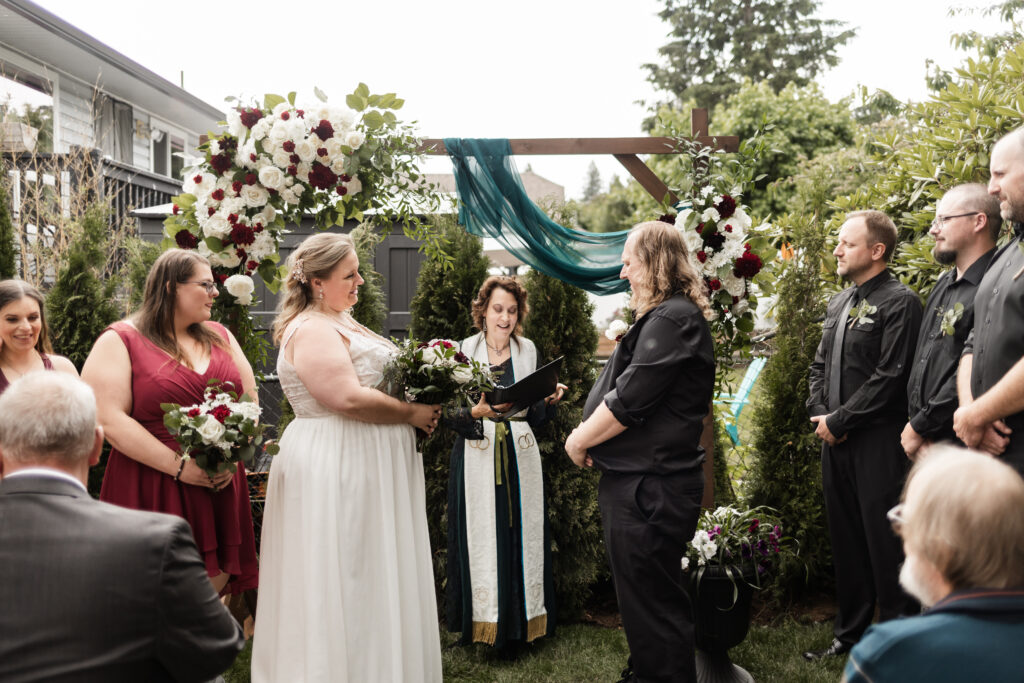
[[762, 547], [745, 549]]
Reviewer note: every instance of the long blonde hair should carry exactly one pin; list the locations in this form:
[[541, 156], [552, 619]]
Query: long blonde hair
[[155, 319], [315, 257], [663, 261]]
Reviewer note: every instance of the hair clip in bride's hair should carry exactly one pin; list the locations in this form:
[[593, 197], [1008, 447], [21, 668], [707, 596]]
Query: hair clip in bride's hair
[[297, 273]]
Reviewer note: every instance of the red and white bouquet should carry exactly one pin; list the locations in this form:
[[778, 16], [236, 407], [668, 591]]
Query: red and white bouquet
[[219, 432], [436, 372]]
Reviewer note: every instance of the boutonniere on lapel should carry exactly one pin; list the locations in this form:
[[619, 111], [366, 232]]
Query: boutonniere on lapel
[[861, 315], [617, 330], [949, 318]]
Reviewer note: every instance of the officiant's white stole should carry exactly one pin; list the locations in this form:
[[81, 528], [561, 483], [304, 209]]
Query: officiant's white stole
[[481, 521]]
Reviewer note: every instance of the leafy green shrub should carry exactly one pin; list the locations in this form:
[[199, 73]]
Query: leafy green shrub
[[371, 309], [8, 262], [559, 323]]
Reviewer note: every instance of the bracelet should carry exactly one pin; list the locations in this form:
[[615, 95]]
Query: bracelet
[[181, 467]]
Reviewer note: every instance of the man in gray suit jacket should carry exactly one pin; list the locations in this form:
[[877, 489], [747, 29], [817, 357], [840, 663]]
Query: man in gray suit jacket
[[90, 591]]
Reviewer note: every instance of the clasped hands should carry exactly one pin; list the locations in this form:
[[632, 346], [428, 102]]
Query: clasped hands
[[822, 431], [971, 428]]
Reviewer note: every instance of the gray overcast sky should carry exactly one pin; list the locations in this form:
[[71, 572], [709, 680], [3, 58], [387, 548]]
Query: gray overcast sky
[[466, 68]]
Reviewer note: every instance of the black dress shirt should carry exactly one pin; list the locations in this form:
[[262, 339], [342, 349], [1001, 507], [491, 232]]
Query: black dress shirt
[[875, 364], [658, 383], [931, 392], [997, 342]]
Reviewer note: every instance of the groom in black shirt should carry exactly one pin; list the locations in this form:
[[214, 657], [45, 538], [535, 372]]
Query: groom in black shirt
[[858, 404]]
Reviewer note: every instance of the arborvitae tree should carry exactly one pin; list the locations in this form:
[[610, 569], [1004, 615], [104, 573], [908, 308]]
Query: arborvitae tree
[[592, 188], [80, 305], [141, 256], [559, 323], [371, 309], [8, 262], [786, 474], [441, 310]]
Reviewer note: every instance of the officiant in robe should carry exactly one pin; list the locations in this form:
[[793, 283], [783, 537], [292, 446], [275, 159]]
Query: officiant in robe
[[500, 588]]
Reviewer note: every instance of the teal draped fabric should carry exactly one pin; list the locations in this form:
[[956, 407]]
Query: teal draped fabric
[[494, 204]]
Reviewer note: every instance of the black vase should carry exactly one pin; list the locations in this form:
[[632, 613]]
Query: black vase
[[721, 607]]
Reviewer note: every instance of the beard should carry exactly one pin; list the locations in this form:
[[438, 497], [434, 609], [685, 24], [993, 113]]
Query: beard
[[914, 584], [944, 257]]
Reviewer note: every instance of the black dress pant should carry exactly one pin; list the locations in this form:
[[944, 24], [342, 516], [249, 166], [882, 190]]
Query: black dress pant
[[862, 478], [648, 521]]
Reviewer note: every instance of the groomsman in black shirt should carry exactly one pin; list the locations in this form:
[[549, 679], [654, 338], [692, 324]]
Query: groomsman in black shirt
[[991, 375], [965, 229], [858, 402]]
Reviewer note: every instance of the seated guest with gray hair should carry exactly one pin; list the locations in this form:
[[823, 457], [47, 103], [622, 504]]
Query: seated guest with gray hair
[[91, 591], [962, 524]]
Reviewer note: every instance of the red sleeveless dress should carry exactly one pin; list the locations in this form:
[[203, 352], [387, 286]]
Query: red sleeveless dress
[[47, 365], [221, 521]]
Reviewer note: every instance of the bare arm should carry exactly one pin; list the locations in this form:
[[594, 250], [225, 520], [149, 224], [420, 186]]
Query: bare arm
[[244, 369], [108, 370], [963, 380], [978, 423], [62, 364], [321, 358], [596, 429]]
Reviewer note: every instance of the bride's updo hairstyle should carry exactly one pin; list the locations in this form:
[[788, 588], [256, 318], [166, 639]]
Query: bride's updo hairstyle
[[315, 257], [661, 256]]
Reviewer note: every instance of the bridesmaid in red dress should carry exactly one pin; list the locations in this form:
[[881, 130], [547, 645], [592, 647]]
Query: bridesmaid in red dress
[[166, 353], [24, 343]]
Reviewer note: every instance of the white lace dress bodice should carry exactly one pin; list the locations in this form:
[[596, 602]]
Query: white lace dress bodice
[[370, 354]]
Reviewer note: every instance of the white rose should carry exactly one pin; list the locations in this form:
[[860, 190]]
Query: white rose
[[232, 205], [686, 219], [685, 563], [302, 171], [211, 430], [200, 189], [267, 215], [204, 251], [338, 165], [616, 329], [271, 177], [306, 150], [289, 197], [710, 214], [740, 218], [279, 132], [280, 108], [241, 287], [235, 126], [354, 139], [734, 285], [343, 117], [260, 129], [227, 258], [248, 410], [216, 226], [740, 307], [355, 186], [254, 196], [333, 147], [462, 374], [694, 242], [282, 159]]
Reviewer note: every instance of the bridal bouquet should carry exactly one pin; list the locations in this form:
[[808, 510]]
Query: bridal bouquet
[[436, 372], [220, 431]]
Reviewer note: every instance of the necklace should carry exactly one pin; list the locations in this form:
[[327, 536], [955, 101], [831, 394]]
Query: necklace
[[20, 373], [496, 349]]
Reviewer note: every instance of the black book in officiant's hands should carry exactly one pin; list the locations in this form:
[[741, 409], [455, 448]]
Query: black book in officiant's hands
[[527, 391]]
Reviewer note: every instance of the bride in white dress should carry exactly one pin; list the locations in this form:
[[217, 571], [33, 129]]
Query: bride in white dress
[[346, 586]]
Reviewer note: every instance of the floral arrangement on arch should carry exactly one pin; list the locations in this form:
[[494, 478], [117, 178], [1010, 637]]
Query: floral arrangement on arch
[[744, 542], [275, 163]]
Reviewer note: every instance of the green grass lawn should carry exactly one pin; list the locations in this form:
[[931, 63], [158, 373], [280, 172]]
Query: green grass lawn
[[582, 652]]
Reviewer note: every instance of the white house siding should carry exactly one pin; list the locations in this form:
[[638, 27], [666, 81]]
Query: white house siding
[[74, 109]]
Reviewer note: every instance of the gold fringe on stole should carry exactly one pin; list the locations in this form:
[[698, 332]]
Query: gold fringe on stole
[[536, 627], [485, 632]]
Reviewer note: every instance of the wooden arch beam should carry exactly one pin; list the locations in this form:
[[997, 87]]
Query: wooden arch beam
[[623, 149]]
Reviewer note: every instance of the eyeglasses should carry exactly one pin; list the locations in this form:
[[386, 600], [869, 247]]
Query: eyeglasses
[[895, 517], [210, 287], [940, 221]]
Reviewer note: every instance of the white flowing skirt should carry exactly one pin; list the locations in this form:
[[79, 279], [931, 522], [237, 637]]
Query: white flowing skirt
[[346, 582]]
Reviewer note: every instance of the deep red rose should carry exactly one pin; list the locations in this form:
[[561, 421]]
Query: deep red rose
[[242, 234], [345, 177], [747, 265], [735, 300], [295, 159], [175, 210], [301, 113], [324, 130], [728, 228], [220, 277], [237, 186], [250, 178], [726, 206], [714, 240], [700, 228], [232, 218], [669, 218], [285, 116], [293, 170], [250, 117], [272, 191], [210, 211], [221, 413], [197, 179], [445, 344], [217, 194], [322, 152], [702, 256], [252, 265], [252, 157], [322, 178], [715, 284], [288, 146], [240, 253], [460, 357], [221, 163], [195, 412], [186, 240], [258, 228], [422, 345], [341, 190]]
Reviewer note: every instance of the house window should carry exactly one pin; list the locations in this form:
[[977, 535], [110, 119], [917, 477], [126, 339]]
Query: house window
[[113, 125], [168, 152]]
